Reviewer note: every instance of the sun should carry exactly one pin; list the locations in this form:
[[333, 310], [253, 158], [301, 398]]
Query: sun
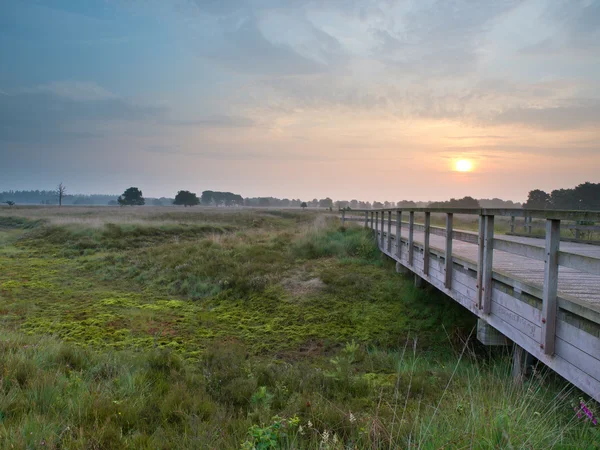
[[463, 165]]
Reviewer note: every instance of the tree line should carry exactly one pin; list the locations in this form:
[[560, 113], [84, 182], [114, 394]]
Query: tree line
[[585, 196]]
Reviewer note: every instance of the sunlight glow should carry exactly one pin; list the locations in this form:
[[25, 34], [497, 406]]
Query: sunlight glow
[[463, 165]]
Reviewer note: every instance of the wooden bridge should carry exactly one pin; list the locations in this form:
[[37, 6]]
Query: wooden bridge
[[513, 284]]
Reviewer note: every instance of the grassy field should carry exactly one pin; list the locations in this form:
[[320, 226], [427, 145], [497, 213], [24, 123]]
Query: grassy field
[[165, 328]]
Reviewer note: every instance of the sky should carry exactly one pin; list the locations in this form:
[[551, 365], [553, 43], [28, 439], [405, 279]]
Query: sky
[[351, 99]]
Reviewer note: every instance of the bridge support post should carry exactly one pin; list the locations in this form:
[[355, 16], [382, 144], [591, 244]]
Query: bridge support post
[[411, 230], [376, 226], [382, 233], [389, 233], [426, 232], [448, 256], [488, 335], [343, 217], [366, 219], [549, 301], [401, 269], [522, 363], [419, 282], [488, 265], [398, 234], [512, 224]]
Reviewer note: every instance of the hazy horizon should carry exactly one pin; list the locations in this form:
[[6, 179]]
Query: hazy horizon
[[368, 100]]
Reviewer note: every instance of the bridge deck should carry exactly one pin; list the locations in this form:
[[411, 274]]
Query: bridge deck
[[573, 283]]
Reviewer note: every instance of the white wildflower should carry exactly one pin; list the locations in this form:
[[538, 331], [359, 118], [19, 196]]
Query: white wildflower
[[309, 424], [325, 436], [301, 430], [335, 438], [352, 418]]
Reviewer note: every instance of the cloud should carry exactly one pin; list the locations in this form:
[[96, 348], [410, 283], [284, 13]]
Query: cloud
[[64, 111], [579, 114]]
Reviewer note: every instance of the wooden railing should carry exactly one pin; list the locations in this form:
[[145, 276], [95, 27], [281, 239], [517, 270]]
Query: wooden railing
[[485, 282]]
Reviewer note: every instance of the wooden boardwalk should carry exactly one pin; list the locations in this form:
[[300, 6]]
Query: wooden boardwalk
[[542, 294]]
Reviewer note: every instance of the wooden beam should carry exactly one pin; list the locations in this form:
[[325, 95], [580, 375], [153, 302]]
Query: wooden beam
[[426, 231], [480, 247], [411, 230], [488, 264], [448, 262], [389, 232], [549, 300], [398, 234]]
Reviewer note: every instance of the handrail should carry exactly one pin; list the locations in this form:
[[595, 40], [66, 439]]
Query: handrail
[[557, 214]]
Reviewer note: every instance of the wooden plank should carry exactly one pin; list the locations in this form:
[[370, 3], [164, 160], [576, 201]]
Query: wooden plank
[[448, 264], [549, 301], [586, 342], [582, 263], [411, 229], [516, 248], [488, 255], [575, 356], [426, 230], [389, 232], [398, 233], [480, 254]]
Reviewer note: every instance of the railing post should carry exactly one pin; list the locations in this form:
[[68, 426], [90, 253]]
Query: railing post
[[480, 253], [426, 243], [343, 217], [577, 233], [366, 219], [382, 225], [399, 235], [529, 225], [376, 226], [525, 224], [448, 262], [549, 301], [512, 224], [389, 232], [488, 264], [372, 214], [411, 229]]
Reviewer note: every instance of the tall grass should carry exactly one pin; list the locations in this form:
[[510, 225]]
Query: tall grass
[[219, 354]]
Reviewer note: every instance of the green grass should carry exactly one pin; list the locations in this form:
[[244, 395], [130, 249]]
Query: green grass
[[251, 329]]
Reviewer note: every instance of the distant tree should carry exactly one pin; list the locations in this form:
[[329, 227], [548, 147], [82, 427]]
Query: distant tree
[[131, 197], [587, 196], [465, 202], [10, 203], [537, 199], [61, 189], [406, 204], [157, 202], [263, 201], [303, 205], [354, 204], [377, 205], [112, 203], [326, 203], [186, 198]]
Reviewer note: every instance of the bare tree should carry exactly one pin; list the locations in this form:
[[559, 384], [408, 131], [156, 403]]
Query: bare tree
[[60, 190]]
